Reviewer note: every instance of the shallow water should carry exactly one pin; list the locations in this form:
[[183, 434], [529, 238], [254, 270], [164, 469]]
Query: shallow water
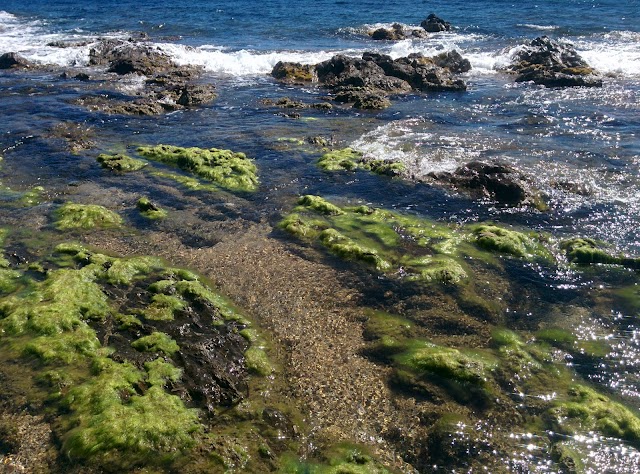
[[580, 146]]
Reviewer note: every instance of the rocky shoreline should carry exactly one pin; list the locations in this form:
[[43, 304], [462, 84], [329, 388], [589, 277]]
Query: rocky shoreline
[[329, 336]]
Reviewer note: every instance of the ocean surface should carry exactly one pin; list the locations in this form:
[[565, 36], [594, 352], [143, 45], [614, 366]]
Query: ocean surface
[[580, 146]]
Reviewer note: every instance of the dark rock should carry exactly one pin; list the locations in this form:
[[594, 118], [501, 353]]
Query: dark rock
[[395, 33], [191, 94], [419, 33], [434, 24], [293, 72], [14, 61], [140, 59], [341, 71], [453, 61], [362, 98], [496, 181], [67, 44], [82, 76], [103, 52], [552, 64]]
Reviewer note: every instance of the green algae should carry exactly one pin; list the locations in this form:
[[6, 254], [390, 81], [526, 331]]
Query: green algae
[[156, 342], [351, 160], [225, 168], [340, 459], [149, 209], [85, 216], [498, 239], [585, 251], [336, 160], [112, 415], [320, 205], [111, 424], [163, 307], [587, 410], [120, 162], [389, 242], [387, 332], [257, 361]]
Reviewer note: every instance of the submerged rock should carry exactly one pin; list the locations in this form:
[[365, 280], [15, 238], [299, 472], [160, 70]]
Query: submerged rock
[[586, 251], [549, 63], [500, 182], [225, 168], [120, 162], [85, 216]]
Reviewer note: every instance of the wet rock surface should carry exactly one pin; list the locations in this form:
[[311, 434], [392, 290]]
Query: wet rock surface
[[497, 181], [367, 82], [552, 64], [435, 24], [14, 61]]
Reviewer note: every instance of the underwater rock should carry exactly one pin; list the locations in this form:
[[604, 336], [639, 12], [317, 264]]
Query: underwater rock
[[496, 181], [350, 160], [586, 251], [14, 61], [120, 162], [85, 216], [499, 239], [549, 63], [149, 209], [435, 24], [225, 168]]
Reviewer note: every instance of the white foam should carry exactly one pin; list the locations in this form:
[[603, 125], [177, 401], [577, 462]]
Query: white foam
[[532, 26], [238, 63], [615, 53]]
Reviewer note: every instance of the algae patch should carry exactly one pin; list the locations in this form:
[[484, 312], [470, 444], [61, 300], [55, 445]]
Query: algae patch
[[128, 388], [351, 160], [227, 169], [120, 162], [85, 216]]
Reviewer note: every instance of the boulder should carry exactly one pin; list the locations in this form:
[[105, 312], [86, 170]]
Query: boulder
[[434, 24], [291, 72], [453, 61], [395, 33], [196, 94], [549, 63], [140, 59], [14, 61], [497, 181], [362, 97]]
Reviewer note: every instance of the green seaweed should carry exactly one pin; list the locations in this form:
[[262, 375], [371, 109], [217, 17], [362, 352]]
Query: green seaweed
[[149, 209], [498, 239], [85, 216], [587, 410], [257, 361], [586, 251], [229, 170], [111, 424], [350, 160], [120, 162], [156, 342], [320, 205], [340, 459]]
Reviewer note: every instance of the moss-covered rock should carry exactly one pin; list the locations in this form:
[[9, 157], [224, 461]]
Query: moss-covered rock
[[149, 209], [498, 239], [225, 168], [586, 410], [120, 162], [350, 160], [156, 342], [586, 251], [85, 216], [320, 205]]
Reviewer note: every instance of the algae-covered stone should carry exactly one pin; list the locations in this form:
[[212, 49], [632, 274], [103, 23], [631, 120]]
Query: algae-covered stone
[[439, 268], [499, 239], [85, 216], [585, 251], [587, 410], [346, 248], [229, 170], [149, 209], [257, 361], [120, 162], [336, 160], [113, 425], [320, 205], [156, 342]]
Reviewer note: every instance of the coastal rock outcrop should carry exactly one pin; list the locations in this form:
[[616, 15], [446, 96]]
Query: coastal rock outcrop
[[435, 24], [168, 87], [14, 61], [496, 181], [549, 63], [366, 82]]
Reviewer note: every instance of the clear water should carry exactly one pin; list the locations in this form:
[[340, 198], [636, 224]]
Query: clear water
[[588, 138]]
